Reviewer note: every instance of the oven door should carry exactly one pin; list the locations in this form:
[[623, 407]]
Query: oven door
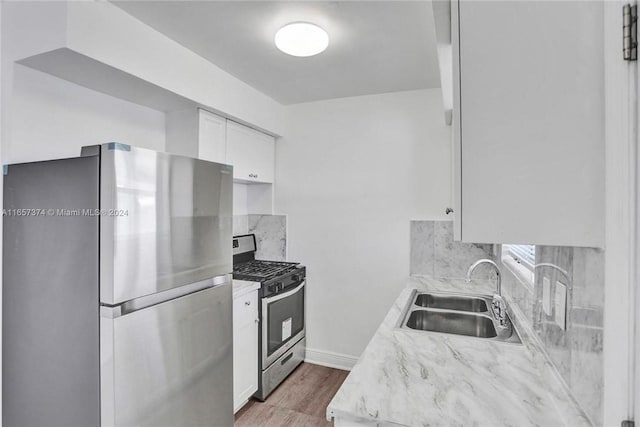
[[282, 323]]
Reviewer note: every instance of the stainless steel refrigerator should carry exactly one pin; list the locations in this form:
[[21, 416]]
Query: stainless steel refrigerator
[[117, 306]]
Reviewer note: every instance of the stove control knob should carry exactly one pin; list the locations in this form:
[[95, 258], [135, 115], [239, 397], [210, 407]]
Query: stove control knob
[[295, 277], [279, 287]]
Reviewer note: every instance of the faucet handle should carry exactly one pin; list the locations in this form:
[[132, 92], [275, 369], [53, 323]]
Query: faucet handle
[[499, 309]]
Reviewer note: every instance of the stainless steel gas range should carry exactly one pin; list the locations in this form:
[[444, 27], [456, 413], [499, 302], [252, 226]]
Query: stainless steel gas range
[[282, 312]]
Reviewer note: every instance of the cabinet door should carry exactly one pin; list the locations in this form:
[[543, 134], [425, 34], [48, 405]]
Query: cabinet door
[[212, 137], [530, 125], [251, 153], [245, 348]]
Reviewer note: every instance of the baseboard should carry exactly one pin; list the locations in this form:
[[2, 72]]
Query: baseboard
[[330, 359]]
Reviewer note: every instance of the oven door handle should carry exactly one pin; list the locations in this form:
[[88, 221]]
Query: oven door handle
[[286, 294]]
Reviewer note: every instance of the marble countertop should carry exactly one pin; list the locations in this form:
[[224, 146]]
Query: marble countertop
[[243, 287], [413, 378]]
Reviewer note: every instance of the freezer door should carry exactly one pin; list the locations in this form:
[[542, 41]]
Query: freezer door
[[170, 364], [166, 221]]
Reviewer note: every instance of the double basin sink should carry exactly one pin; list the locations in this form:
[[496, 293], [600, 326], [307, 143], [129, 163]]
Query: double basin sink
[[458, 314]]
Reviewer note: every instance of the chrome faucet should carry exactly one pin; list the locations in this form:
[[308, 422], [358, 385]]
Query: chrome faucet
[[498, 305], [490, 262]]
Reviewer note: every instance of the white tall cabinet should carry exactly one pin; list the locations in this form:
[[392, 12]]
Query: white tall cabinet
[[245, 344], [528, 122]]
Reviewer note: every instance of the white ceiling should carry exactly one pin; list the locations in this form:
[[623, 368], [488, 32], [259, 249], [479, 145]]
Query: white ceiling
[[375, 46]]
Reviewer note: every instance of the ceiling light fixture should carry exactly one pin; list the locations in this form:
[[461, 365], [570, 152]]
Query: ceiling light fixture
[[301, 39]]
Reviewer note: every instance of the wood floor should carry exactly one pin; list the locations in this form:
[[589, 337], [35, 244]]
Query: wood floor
[[300, 401]]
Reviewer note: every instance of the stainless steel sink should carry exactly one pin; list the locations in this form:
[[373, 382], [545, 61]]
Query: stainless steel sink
[[451, 302], [452, 323], [458, 314]]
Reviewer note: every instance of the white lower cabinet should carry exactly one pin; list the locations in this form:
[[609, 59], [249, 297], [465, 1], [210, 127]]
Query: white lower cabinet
[[245, 347]]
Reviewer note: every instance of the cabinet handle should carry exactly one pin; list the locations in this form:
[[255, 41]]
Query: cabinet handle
[[448, 211], [247, 303], [257, 320]]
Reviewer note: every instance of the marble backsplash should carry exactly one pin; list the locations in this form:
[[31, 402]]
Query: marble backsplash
[[270, 231], [576, 352], [240, 225], [434, 253]]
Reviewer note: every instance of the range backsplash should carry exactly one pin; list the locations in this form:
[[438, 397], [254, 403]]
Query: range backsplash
[[576, 352], [270, 231]]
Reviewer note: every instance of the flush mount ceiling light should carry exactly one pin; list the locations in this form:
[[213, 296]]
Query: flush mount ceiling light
[[301, 39]]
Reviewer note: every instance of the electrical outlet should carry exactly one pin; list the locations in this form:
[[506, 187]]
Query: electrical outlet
[[546, 296], [561, 305]]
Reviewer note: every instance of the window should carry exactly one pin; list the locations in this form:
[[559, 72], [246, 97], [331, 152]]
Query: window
[[522, 254], [520, 260]]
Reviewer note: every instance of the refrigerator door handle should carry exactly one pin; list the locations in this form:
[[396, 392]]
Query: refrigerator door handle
[[136, 304]]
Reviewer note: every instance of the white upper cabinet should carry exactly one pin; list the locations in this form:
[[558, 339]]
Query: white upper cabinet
[[197, 133], [251, 153], [212, 137], [207, 136], [529, 122]]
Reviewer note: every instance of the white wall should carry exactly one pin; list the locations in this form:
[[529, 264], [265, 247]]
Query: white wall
[[350, 174], [72, 38], [25, 33], [105, 32], [240, 199], [52, 118]]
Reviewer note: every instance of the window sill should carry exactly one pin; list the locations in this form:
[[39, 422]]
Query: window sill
[[521, 273]]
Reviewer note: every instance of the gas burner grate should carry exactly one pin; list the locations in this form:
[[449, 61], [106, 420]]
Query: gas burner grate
[[259, 270]]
